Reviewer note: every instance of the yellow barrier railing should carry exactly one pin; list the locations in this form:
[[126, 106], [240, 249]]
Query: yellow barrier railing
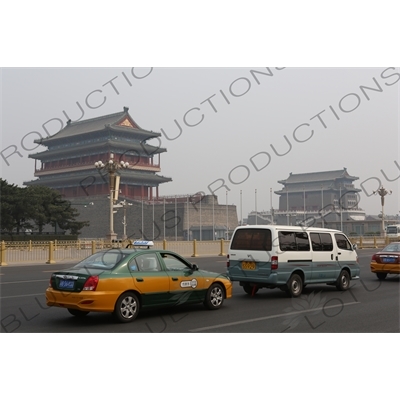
[[59, 251], [3, 254]]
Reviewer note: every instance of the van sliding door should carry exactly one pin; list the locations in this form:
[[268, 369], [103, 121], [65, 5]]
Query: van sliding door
[[324, 266]]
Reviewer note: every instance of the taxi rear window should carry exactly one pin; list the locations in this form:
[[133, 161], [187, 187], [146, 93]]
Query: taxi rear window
[[103, 260], [252, 239]]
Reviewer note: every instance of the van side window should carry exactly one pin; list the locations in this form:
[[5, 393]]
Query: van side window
[[302, 241], [252, 239], [342, 242], [293, 241], [321, 242]]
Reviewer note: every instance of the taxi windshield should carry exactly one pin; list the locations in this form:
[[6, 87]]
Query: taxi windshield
[[103, 260]]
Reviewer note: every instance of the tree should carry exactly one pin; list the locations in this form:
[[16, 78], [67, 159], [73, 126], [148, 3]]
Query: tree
[[50, 208], [15, 208], [39, 205]]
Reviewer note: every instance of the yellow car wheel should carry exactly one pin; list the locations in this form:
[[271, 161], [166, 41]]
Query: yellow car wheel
[[126, 307], [214, 297]]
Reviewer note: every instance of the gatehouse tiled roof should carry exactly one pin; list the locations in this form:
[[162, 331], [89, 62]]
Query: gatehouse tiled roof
[[323, 176], [118, 122]]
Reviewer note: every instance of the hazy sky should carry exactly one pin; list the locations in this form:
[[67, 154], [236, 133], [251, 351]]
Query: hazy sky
[[241, 129], [234, 132]]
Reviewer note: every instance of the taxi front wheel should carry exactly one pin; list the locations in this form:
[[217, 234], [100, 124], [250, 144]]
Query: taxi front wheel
[[214, 297], [126, 307]]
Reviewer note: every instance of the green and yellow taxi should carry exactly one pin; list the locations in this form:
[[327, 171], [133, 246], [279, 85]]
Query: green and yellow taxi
[[125, 281], [386, 261]]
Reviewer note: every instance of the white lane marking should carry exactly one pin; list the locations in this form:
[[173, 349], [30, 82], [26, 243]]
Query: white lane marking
[[23, 295], [38, 280], [246, 321]]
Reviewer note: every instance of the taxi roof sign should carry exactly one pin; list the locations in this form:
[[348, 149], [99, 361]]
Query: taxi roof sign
[[143, 243]]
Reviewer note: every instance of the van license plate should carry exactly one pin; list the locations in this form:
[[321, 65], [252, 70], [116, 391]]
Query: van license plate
[[248, 265]]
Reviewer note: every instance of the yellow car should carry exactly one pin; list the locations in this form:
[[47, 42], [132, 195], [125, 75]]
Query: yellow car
[[125, 281], [386, 261]]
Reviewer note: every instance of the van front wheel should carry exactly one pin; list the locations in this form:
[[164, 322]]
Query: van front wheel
[[343, 281], [294, 286]]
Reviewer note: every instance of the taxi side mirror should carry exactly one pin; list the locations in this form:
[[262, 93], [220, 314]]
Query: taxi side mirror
[[195, 267]]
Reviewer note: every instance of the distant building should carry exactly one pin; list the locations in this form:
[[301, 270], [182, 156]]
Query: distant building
[[329, 193], [67, 165], [325, 199], [68, 162]]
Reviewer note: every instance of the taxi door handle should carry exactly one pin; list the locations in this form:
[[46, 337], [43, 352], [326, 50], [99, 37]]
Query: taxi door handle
[[139, 279], [174, 279]]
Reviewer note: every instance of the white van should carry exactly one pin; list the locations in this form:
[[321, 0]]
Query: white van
[[290, 257]]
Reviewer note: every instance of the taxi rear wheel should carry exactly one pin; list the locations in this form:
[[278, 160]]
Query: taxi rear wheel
[[381, 275], [214, 297], [127, 307], [77, 313]]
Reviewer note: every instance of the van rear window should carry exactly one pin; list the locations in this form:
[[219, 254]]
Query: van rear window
[[252, 239]]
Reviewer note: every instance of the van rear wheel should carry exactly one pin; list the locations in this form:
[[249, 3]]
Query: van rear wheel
[[249, 289], [294, 286]]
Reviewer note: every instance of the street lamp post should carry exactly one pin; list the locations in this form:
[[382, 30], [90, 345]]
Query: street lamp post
[[241, 209], [124, 204], [111, 168], [227, 217], [340, 205], [382, 192], [287, 206], [213, 217], [255, 201], [322, 205]]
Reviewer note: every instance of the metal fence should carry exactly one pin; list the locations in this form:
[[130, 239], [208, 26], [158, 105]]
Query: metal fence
[[67, 251]]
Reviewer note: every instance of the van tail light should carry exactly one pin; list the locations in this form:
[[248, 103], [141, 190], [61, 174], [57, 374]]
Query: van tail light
[[228, 263], [274, 262], [91, 283]]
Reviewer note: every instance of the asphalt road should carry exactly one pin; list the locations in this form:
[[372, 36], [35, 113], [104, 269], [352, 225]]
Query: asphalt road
[[369, 306]]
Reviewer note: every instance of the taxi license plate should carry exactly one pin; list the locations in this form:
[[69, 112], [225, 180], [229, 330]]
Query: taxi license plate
[[249, 265], [64, 284], [389, 260]]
